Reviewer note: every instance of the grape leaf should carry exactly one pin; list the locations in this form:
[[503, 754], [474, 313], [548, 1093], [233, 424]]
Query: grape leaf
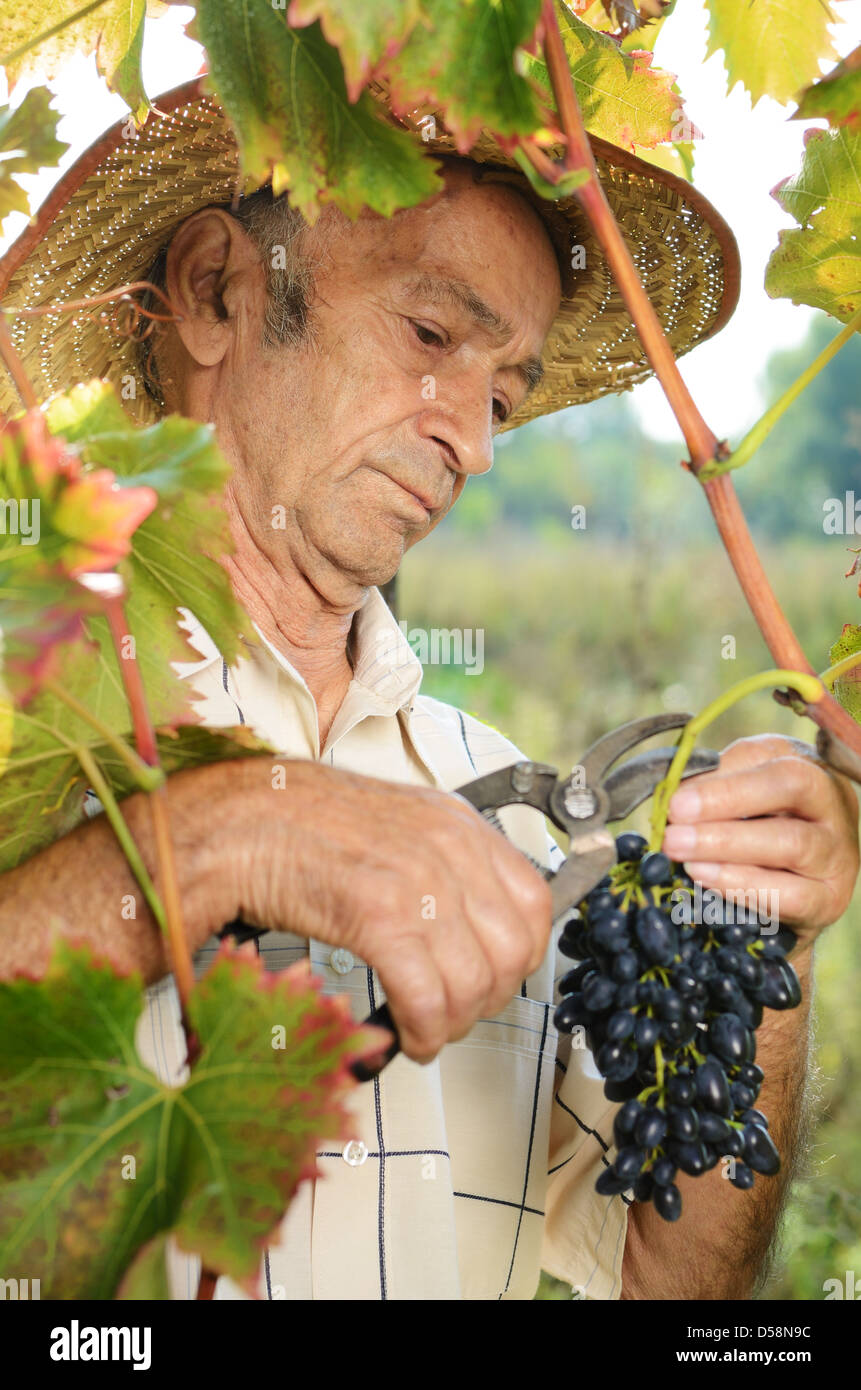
[[836, 97], [171, 565], [173, 561], [363, 34], [114, 30], [28, 142], [652, 15], [820, 262], [284, 92], [623, 98], [463, 62], [848, 688], [98, 1156], [772, 47]]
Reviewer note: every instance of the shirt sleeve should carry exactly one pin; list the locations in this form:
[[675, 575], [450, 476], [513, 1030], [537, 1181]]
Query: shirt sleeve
[[584, 1233]]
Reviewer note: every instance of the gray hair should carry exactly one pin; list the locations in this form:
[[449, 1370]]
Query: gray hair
[[278, 233]]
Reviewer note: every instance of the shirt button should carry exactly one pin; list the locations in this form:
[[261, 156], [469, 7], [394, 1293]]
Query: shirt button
[[355, 1153], [341, 961]]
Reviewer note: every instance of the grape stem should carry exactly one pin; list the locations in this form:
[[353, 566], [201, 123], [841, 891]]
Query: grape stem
[[809, 687], [848, 663]]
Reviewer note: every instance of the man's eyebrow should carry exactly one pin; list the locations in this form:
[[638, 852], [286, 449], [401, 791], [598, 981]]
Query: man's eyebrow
[[446, 290]]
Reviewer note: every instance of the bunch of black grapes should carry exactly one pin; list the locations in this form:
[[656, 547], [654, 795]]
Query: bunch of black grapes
[[670, 1010]]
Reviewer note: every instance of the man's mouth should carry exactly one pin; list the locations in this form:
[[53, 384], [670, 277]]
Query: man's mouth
[[421, 495]]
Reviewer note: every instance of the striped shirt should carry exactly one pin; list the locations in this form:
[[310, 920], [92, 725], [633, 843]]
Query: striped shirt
[[463, 1178]]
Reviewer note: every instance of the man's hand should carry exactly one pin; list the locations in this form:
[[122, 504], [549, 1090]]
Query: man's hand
[[803, 853], [413, 880]]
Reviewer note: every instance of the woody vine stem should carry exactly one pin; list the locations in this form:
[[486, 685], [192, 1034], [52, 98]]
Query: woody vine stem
[[703, 446]]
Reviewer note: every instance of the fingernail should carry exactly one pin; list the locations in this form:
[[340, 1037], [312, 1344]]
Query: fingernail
[[685, 802], [679, 840]]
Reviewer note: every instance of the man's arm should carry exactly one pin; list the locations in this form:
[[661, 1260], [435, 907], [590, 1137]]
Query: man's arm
[[345, 859], [720, 1244]]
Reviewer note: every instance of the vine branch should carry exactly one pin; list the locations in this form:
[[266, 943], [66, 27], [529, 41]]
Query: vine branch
[[703, 445]]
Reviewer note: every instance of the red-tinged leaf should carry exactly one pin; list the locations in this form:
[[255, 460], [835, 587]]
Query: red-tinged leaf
[[623, 97], [284, 92], [100, 517], [466, 62], [363, 34], [99, 1158], [836, 97]]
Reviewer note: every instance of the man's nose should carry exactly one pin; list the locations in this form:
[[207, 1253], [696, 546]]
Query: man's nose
[[461, 416]]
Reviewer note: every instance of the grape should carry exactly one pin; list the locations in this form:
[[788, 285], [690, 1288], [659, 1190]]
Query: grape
[[729, 1038], [630, 847], [684, 1123], [650, 1128], [655, 868], [760, 1153], [670, 1007], [743, 1176], [667, 1202], [664, 1171], [621, 1026]]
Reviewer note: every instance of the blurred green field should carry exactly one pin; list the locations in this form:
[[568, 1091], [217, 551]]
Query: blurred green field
[[582, 633]]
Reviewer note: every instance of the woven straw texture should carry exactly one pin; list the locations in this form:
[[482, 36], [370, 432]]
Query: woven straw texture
[[120, 203]]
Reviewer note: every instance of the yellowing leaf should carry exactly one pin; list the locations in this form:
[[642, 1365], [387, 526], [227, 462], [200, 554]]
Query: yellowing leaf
[[772, 47], [35, 38], [820, 263]]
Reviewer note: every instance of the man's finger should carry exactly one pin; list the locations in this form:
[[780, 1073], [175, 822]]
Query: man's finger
[[789, 785], [784, 898], [776, 842]]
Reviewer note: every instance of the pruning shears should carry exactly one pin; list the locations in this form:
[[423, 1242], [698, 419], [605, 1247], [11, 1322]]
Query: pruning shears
[[582, 805]]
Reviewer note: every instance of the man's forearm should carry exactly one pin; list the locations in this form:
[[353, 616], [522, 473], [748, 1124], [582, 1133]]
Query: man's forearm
[[81, 888], [720, 1243]]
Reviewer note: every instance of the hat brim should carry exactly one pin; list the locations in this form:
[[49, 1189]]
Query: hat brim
[[116, 207]]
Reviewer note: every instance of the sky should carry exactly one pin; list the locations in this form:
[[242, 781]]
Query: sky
[[742, 155]]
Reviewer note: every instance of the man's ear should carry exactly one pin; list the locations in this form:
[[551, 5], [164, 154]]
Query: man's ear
[[213, 276]]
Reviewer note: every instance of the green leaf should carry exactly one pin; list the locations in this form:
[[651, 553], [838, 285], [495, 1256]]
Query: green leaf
[[284, 92], [465, 62], [363, 34], [848, 688], [42, 786], [820, 263], [28, 143], [174, 557], [773, 47], [835, 97], [623, 98], [172, 564], [43, 35], [98, 1157]]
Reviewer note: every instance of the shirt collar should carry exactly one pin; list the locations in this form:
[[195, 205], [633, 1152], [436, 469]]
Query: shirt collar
[[385, 665]]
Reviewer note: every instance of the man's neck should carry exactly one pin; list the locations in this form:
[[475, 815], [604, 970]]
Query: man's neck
[[291, 614]]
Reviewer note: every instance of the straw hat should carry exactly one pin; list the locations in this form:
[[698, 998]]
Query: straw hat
[[112, 212]]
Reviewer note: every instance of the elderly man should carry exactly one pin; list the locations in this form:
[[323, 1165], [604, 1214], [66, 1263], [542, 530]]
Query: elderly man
[[474, 1155]]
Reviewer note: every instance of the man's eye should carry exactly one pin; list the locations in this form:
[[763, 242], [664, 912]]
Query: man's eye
[[502, 416], [431, 338]]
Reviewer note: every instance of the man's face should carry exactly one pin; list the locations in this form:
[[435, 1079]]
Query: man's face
[[348, 450]]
